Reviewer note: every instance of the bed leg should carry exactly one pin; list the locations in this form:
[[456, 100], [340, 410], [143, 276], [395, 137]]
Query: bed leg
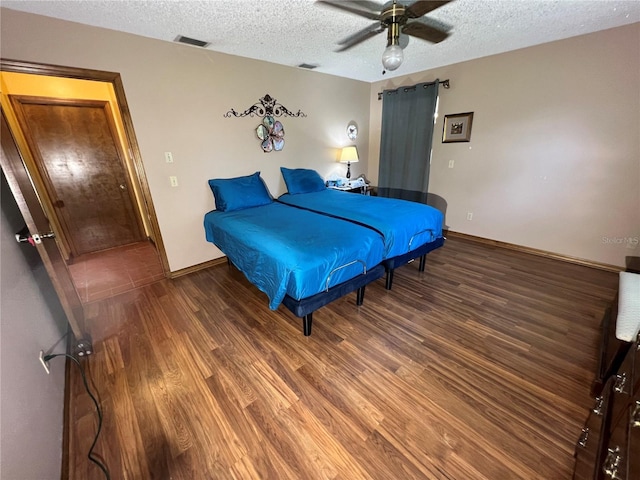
[[306, 324], [360, 296], [389, 279], [423, 260]]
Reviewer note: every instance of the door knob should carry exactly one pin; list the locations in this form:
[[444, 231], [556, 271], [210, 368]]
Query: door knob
[[23, 236]]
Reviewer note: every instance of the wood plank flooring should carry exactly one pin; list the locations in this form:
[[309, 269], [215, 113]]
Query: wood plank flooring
[[478, 368]]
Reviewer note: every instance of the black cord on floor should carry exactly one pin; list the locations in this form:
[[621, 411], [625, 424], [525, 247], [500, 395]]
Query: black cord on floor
[[95, 402]]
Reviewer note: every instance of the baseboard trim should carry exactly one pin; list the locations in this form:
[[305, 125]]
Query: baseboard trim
[[198, 267], [535, 251]]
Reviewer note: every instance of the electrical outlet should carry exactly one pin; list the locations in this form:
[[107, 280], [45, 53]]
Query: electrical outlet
[[84, 347], [44, 363], [174, 181], [168, 156], [470, 216]]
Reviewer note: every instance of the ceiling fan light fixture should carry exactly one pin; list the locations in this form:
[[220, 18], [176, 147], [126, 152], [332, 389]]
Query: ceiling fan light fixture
[[392, 57], [398, 19]]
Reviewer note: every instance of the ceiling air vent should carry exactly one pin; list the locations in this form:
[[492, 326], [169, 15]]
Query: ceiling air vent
[[308, 66], [191, 41]]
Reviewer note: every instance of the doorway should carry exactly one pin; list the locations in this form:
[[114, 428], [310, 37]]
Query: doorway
[[128, 224]]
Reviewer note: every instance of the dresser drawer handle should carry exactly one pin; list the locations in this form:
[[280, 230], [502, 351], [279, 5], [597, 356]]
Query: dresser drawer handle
[[635, 415], [584, 436], [621, 380], [597, 408], [611, 463]]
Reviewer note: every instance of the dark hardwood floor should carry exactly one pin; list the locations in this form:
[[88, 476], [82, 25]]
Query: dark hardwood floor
[[478, 368]]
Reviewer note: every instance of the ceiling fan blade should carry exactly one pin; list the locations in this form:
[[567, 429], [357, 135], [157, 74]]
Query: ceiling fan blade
[[425, 32], [361, 36], [370, 10], [422, 7]]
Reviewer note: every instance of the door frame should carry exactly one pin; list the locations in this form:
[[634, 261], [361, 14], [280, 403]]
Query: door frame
[[138, 175]]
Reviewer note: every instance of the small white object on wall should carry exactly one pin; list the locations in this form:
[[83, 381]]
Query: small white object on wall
[[352, 130]]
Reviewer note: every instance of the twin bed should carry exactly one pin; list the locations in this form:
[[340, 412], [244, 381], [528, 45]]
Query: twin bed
[[409, 230], [313, 244]]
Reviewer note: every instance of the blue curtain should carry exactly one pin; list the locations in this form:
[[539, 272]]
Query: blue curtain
[[406, 138]]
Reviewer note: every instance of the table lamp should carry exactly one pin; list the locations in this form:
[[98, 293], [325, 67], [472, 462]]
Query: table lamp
[[349, 155]]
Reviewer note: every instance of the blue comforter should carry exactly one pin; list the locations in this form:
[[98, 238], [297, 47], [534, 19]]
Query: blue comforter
[[289, 251], [404, 225]]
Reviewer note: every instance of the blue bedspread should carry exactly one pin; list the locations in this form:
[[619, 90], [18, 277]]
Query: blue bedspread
[[289, 251], [405, 225]]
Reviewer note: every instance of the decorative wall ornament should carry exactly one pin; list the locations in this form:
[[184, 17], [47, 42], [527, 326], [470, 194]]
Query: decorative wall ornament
[[266, 106], [270, 131], [352, 130]]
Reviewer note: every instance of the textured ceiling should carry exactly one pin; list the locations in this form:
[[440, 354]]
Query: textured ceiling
[[292, 32]]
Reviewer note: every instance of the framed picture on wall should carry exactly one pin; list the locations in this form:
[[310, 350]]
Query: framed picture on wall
[[457, 128]]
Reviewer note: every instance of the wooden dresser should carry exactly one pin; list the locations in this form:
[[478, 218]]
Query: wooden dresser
[[609, 445]]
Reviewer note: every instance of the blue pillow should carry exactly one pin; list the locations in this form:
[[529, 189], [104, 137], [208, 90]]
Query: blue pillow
[[302, 180], [240, 192]]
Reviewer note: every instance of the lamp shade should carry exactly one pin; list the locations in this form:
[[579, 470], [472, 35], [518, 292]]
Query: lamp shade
[[349, 155]]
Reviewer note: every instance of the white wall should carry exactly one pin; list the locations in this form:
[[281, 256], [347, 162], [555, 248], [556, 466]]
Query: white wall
[[31, 319], [554, 157], [178, 95]]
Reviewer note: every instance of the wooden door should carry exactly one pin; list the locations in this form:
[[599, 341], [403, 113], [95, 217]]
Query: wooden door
[[75, 147], [34, 216]]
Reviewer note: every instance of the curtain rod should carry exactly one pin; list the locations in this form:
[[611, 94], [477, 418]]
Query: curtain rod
[[444, 83]]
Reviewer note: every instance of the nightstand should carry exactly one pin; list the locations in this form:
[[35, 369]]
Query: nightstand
[[366, 190]]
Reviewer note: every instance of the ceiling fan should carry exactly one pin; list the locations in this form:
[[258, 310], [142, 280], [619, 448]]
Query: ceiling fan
[[396, 19]]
